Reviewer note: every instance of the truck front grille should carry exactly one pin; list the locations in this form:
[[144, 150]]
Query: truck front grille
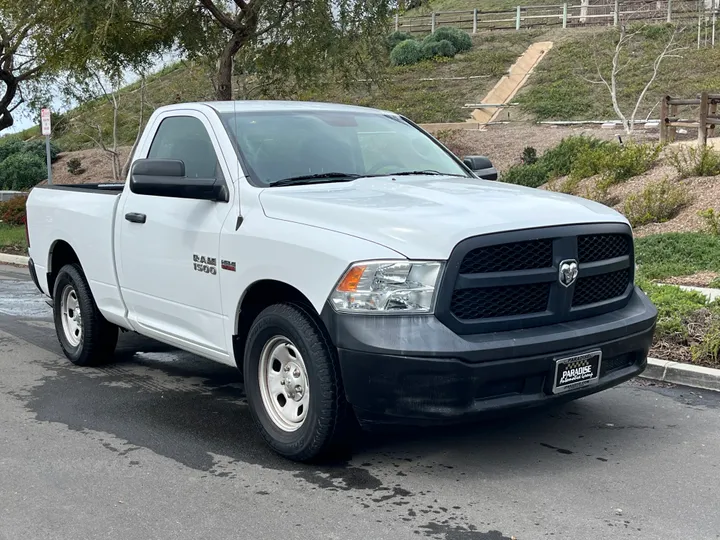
[[512, 280]]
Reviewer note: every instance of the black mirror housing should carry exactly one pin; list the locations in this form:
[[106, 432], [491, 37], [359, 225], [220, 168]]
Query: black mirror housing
[[481, 166], [166, 178]]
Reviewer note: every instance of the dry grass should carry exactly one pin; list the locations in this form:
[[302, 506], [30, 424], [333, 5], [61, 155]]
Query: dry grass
[[699, 279], [97, 165]]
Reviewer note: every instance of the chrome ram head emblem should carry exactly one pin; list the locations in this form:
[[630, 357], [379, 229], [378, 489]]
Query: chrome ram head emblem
[[568, 272]]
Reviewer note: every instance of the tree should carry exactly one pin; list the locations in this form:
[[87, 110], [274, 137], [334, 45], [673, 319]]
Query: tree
[[39, 39], [290, 41], [621, 59]]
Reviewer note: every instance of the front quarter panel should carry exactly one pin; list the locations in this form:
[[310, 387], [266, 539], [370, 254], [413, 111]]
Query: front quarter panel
[[308, 258]]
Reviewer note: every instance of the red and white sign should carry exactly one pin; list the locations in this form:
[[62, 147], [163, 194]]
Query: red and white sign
[[45, 121]]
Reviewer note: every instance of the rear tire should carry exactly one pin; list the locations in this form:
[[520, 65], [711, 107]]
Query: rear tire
[[86, 337], [294, 387]]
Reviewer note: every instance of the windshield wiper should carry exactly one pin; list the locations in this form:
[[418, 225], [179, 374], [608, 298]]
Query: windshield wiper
[[314, 179], [428, 172]]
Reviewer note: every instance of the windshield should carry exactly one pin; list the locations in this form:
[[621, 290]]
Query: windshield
[[284, 147]]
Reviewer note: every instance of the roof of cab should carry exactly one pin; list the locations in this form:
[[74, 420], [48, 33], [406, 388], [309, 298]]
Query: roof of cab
[[271, 105]]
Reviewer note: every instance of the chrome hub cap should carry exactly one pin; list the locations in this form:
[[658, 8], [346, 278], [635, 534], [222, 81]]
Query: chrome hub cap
[[284, 383], [71, 316]]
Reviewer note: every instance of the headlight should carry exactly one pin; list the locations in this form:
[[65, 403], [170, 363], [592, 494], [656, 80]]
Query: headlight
[[387, 287]]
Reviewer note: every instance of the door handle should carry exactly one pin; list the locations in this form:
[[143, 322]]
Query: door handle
[[136, 218]]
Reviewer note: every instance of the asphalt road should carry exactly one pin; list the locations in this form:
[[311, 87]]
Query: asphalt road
[[161, 445]]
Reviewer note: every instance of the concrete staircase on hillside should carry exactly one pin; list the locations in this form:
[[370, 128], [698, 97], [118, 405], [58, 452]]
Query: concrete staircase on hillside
[[508, 86]]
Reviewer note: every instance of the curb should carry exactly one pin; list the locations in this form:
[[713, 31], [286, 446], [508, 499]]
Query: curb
[[684, 374], [13, 259]]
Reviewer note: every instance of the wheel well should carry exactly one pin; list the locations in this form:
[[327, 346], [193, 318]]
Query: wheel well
[[260, 295], [60, 254]]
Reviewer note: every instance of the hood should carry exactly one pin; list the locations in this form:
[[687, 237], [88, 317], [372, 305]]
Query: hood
[[425, 217]]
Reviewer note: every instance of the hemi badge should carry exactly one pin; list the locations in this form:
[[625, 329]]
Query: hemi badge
[[227, 265]]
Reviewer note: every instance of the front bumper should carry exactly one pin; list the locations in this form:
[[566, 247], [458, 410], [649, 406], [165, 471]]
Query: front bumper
[[414, 370]]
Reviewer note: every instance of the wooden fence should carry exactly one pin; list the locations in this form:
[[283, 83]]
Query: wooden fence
[[670, 119], [565, 15]]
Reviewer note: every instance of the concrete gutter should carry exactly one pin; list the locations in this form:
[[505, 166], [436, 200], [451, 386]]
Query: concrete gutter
[[13, 259], [684, 374]]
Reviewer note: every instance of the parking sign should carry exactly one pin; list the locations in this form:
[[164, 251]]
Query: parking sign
[[45, 121]]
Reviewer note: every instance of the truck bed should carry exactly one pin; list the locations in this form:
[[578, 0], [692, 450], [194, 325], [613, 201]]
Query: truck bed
[[82, 216]]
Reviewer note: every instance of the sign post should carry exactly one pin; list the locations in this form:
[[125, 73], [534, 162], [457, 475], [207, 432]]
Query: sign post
[[46, 130]]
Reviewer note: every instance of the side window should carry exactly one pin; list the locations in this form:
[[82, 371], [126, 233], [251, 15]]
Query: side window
[[185, 138]]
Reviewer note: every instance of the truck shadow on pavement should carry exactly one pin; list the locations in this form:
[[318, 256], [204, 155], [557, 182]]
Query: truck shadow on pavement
[[189, 409]]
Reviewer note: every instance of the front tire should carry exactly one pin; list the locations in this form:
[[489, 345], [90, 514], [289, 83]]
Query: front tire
[[293, 385], [86, 337]]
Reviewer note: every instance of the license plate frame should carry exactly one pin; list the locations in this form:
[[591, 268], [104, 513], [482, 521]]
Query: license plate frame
[[578, 379]]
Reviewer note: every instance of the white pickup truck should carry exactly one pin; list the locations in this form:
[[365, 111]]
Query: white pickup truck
[[349, 264]]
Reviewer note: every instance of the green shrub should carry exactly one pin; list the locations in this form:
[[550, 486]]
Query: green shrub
[[12, 212], [446, 48], [22, 171], [74, 166], [560, 159], [529, 155], [631, 160], [9, 146], [712, 221], [657, 203], [694, 161], [37, 147], [406, 53], [396, 38], [707, 349], [459, 39], [432, 49], [534, 175], [674, 306], [677, 254]]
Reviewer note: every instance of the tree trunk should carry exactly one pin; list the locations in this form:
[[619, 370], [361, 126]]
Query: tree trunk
[[11, 85], [225, 66]]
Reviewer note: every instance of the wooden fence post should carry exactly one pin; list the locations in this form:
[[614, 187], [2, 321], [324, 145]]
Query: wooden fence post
[[672, 131], [712, 112], [702, 122], [663, 120], [669, 11], [565, 14], [397, 21], [432, 23], [517, 19], [475, 11]]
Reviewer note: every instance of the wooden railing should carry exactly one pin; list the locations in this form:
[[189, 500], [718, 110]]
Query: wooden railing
[[565, 15], [706, 123]]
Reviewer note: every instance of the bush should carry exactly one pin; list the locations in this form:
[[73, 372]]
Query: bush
[[706, 349], [560, 159], [529, 155], [12, 212], [396, 38], [432, 49], [712, 221], [632, 159], [694, 161], [407, 53], [657, 203], [677, 254], [74, 166], [459, 39], [22, 171], [37, 147], [534, 175], [9, 146], [674, 306]]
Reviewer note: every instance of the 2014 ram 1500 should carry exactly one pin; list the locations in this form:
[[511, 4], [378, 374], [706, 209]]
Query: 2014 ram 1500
[[348, 264]]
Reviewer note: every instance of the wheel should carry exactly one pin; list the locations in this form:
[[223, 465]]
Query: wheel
[[293, 385], [86, 338]]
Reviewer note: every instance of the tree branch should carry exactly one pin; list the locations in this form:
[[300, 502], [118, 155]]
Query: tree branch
[[220, 15]]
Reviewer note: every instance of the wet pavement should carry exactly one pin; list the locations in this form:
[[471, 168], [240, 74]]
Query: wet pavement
[[161, 445]]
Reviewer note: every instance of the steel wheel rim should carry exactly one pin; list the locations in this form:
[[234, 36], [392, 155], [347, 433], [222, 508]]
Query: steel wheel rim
[[284, 385], [71, 316]]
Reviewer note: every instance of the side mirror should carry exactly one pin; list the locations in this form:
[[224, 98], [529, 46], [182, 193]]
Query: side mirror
[[166, 178], [481, 166]]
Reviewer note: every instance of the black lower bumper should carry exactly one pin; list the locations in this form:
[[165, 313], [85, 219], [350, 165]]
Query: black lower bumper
[[414, 370]]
